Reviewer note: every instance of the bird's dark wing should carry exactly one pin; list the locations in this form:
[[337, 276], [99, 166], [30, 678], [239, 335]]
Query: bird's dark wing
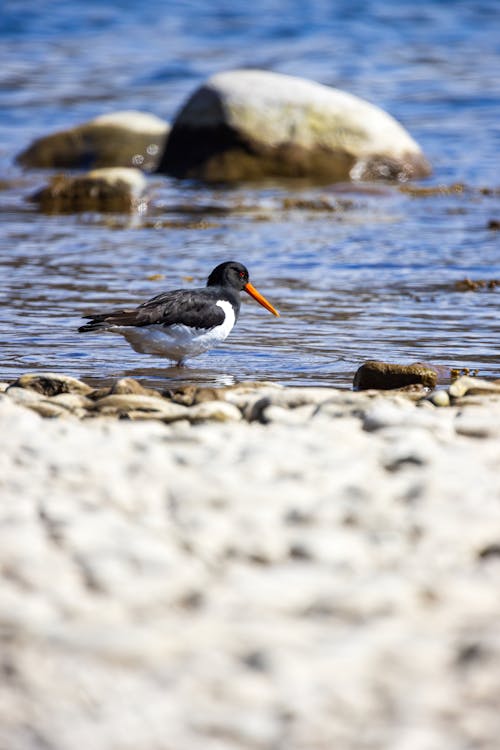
[[197, 309]]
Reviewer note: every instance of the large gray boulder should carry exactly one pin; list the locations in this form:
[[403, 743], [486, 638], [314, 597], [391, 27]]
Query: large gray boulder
[[250, 124], [117, 139]]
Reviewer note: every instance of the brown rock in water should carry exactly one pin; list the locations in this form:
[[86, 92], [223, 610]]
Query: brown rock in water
[[472, 285], [253, 124], [119, 139], [386, 376], [115, 189]]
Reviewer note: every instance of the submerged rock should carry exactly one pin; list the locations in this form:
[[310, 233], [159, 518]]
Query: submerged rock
[[386, 376], [116, 189], [118, 139], [472, 285], [252, 124]]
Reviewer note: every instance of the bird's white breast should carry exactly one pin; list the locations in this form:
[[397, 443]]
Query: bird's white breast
[[178, 341]]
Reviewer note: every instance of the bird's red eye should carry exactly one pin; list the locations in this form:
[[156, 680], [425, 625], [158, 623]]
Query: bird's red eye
[[241, 274]]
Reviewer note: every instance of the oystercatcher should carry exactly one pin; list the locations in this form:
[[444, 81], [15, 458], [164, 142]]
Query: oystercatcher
[[183, 323]]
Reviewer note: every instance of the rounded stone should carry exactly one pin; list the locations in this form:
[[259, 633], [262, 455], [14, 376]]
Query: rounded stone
[[117, 139], [387, 376], [439, 398], [251, 124]]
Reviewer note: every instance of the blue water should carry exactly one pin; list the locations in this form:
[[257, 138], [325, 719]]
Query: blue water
[[375, 281]]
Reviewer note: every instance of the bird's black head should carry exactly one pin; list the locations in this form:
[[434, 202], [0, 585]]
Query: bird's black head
[[234, 275], [231, 273]]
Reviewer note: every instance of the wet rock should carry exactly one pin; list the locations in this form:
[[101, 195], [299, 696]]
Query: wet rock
[[474, 386], [321, 204], [429, 191], [252, 124], [119, 139], [51, 384], [115, 189], [386, 376]]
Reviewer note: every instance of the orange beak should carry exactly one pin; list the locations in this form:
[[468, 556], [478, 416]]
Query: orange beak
[[252, 291]]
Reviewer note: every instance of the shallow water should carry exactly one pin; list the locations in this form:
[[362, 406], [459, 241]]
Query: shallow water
[[373, 278]]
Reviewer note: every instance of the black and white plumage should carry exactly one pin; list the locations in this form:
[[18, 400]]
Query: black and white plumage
[[183, 323]]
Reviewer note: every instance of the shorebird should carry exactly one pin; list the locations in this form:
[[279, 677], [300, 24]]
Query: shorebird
[[183, 323]]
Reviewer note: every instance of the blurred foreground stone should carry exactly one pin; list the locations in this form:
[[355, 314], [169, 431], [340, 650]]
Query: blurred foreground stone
[[253, 124], [319, 570]]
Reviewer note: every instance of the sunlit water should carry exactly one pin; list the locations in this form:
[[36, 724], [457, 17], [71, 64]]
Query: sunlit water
[[371, 280]]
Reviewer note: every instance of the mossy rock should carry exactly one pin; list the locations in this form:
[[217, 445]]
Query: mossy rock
[[120, 139], [386, 376]]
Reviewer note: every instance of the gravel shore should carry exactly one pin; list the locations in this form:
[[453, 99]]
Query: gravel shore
[[324, 576]]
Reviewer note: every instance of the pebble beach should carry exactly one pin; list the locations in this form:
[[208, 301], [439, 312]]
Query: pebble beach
[[291, 568]]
